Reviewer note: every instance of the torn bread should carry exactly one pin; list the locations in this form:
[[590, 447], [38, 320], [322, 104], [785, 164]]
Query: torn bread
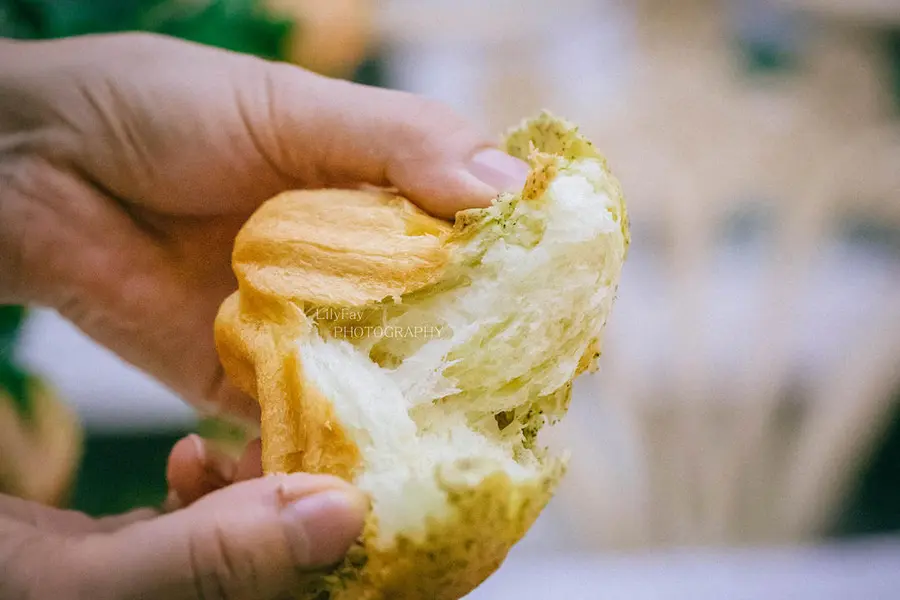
[[418, 359]]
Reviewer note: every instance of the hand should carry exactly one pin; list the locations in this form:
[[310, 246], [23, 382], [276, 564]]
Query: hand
[[253, 539], [129, 162]]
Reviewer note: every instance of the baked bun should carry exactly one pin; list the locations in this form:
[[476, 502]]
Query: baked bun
[[418, 359]]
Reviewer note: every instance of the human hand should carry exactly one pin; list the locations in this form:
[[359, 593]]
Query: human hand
[[128, 163], [253, 539]]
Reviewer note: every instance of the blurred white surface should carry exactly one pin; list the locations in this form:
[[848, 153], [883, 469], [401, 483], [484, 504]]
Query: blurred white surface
[[854, 571]]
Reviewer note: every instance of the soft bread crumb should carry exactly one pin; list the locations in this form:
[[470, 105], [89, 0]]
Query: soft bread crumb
[[420, 361]]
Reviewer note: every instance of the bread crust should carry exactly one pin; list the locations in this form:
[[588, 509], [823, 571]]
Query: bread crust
[[299, 235], [305, 250]]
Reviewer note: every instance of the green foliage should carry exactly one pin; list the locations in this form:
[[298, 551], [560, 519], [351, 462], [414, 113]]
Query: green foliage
[[11, 318], [766, 58], [371, 72], [14, 385], [14, 382], [120, 472], [893, 49], [239, 25], [874, 504]]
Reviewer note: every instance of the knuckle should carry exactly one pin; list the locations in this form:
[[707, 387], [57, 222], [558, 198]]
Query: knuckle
[[220, 569]]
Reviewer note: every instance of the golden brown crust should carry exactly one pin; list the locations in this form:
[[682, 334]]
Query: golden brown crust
[[473, 542], [307, 249], [299, 429], [339, 248], [303, 251], [233, 344], [455, 553]]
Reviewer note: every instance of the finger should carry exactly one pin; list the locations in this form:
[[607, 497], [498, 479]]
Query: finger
[[196, 469], [190, 477], [34, 549], [65, 522], [250, 464], [116, 522], [43, 518], [332, 132], [252, 539]]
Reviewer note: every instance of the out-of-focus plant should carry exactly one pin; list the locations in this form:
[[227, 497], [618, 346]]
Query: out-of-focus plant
[[39, 436], [333, 38], [13, 379], [239, 25]]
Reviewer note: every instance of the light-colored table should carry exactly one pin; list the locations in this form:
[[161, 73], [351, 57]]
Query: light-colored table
[[868, 570]]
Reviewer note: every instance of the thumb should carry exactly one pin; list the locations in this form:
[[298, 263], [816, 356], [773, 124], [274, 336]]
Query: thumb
[[251, 540], [332, 132]]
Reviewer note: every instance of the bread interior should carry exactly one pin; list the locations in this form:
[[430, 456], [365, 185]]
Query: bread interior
[[456, 379]]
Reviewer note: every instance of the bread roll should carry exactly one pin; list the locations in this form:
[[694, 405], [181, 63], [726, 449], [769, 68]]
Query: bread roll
[[418, 359]]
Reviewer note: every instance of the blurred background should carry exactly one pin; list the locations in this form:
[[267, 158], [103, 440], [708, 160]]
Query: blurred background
[[743, 432]]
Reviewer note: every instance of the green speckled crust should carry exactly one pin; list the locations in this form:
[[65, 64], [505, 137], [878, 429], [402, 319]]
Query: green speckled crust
[[453, 551], [552, 147], [548, 143], [454, 555], [550, 135]]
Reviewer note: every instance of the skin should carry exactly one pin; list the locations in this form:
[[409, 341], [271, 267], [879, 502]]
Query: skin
[[127, 165]]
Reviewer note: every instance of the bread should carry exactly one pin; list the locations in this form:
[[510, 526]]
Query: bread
[[419, 359]]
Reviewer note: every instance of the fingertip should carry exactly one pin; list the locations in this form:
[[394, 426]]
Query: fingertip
[[321, 527], [250, 464], [443, 187], [434, 156], [499, 170], [185, 461], [195, 469], [172, 502]]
